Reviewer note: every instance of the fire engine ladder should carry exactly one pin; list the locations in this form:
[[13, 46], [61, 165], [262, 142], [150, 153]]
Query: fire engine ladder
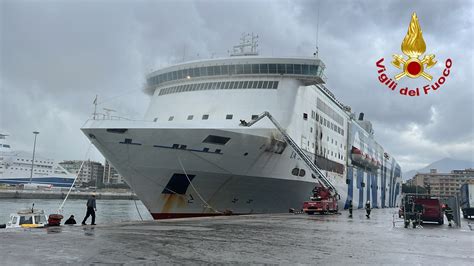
[[317, 172]]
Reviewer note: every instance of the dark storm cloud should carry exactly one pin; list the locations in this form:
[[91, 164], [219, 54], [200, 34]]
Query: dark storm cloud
[[355, 34], [57, 55]]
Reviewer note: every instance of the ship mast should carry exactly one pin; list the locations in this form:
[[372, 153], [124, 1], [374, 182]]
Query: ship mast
[[248, 45]]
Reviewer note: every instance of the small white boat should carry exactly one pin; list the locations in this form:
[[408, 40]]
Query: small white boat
[[28, 218]]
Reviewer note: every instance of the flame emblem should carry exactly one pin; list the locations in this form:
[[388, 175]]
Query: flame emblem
[[413, 46]]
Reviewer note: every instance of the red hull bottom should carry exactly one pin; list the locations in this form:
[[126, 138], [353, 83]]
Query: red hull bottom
[[161, 216]]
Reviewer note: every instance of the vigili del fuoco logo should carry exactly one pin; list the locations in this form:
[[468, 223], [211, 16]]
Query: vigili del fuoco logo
[[415, 65]]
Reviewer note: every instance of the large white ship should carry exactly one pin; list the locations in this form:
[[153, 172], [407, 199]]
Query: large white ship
[[189, 156], [16, 168]]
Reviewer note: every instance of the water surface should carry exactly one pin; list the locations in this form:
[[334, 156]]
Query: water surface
[[107, 210]]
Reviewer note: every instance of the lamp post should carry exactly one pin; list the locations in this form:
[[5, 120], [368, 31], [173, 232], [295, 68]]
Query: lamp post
[[33, 160]]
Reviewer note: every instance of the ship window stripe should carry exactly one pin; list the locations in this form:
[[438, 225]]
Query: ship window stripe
[[220, 86], [239, 69]]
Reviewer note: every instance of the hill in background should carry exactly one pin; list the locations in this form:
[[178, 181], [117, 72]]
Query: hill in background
[[445, 165]]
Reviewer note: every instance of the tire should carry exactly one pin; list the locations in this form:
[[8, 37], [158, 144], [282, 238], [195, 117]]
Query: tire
[[310, 213], [441, 222], [464, 215]]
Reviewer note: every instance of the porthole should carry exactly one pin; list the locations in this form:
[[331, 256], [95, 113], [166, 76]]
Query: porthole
[[295, 171], [302, 172]]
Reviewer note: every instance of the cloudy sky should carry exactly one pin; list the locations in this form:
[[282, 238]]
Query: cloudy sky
[[55, 56]]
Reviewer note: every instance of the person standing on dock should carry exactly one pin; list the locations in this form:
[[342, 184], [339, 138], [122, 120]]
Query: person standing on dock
[[350, 209], [449, 214], [91, 209], [367, 209]]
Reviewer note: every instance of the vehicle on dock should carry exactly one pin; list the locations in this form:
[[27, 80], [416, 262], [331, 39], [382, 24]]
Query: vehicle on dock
[[432, 207], [467, 200], [321, 202]]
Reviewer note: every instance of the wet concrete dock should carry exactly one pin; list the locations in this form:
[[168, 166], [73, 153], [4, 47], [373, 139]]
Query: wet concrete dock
[[277, 238]]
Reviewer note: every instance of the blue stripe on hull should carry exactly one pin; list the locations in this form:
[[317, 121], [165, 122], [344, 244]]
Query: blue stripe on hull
[[360, 179], [374, 190], [368, 185], [55, 181], [350, 187]]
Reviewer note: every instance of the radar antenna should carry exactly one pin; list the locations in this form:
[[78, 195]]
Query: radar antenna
[[248, 45]]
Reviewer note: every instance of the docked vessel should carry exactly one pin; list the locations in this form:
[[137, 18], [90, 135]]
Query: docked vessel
[[190, 156], [16, 166], [28, 218]]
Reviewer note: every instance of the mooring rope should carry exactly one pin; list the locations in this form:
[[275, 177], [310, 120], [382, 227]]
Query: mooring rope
[[199, 195], [137, 209], [74, 182]]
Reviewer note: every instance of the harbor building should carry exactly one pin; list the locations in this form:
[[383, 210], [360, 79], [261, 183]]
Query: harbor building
[[444, 184], [111, 176], [91, 171]]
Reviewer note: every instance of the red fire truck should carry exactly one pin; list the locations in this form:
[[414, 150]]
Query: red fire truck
[[322, 201]]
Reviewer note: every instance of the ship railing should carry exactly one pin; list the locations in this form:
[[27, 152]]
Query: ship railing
[[101, 116], [323, 77]]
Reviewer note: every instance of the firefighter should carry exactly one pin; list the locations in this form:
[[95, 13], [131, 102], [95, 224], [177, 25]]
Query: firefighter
[[367, 209], [350, 209], [409, 210], [418, 211], [449, 214]]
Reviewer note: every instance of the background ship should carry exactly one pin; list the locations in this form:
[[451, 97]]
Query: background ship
[[15, 168], [190, 157]]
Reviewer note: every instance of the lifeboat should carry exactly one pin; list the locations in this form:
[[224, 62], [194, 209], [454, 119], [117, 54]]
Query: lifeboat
[[357, 155]]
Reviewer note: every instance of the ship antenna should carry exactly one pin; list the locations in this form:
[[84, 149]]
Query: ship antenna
[[248, 45], [95, 107], [316, 54]]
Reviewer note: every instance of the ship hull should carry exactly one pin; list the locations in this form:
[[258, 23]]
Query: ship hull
[[194, 178]]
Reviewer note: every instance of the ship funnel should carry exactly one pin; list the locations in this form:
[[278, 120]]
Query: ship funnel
[[361, 116]]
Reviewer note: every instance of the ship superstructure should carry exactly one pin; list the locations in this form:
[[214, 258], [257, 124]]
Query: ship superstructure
[[190, 157]]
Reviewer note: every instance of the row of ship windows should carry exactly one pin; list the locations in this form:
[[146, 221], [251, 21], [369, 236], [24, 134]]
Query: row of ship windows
[[328, 152], [333, 141], [29, 170], [5, 145], [323, 121], [221, 86], [204, 117], [334, 154], [329, 111], [240, 69], [26, 160]]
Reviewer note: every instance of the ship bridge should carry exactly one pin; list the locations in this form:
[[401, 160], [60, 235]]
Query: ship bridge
[[310, 71]]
